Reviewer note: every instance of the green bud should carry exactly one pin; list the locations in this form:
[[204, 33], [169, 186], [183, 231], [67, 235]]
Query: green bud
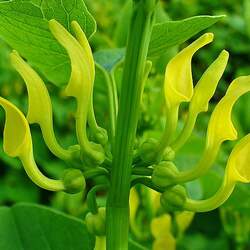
[[169, 154], [75, 151], [96, 223], [74, 181], [148, 153], [174, 198], [164, 174], [94, 157], [102, 136]]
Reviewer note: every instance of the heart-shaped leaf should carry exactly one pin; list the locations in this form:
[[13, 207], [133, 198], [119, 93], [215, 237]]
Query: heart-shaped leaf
[[24, 26], [30, 227]]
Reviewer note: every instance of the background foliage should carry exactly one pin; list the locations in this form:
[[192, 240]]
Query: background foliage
[[224, 228]]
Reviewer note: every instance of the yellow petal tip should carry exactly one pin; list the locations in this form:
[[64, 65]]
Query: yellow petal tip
[[238, 163], [16, 130]]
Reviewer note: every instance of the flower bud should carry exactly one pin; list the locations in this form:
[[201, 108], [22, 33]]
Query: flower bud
[[101, 136], [74, 181], [96, 223], [174, 198], [164, 174], [148, 151], [17, 142], [95, 156], [169, 154]]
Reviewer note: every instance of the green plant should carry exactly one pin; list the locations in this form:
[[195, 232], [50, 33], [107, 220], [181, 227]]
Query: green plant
[[62, 55]]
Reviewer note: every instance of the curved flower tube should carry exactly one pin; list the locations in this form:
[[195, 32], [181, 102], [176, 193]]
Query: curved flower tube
[[99, 133], [80, 87], [178, 85], [237, 170], [40, 107], [203, 92], [18, 143], [220, 129]]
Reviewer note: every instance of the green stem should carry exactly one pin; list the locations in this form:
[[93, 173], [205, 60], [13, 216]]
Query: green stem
[[146, 182], [37, 176], [142, 171], [170, 128], [132, 87], [215, 201], [185, 133], [97, 171], [113, 103], [208, 158]]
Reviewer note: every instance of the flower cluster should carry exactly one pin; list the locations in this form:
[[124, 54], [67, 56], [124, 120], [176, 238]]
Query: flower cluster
[[154, 158], [17, 136], [179, 88]]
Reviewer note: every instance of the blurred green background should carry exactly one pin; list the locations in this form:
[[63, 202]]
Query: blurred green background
[[224, 228]]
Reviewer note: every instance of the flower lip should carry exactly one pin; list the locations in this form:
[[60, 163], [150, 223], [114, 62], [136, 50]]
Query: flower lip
[[238, 162], [40, 108], [16, 130], [178, 76], [220, 126], [79, 65], [206, 86]]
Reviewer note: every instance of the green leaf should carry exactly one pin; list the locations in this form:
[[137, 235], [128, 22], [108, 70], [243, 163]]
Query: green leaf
[[16, 187], [24, 26], [30, 227], [171, 33]]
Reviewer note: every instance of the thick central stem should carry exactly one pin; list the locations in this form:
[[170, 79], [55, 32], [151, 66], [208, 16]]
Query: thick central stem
[[132, 87]]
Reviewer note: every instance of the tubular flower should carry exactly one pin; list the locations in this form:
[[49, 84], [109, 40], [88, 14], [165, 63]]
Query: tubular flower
[[237, 170], [100, 133], [203, 92], [40, 108], [80, 87], [220, 129], [18, 143], [238, 164], [178, 85]]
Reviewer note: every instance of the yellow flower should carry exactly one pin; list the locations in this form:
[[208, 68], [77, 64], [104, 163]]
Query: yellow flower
[[203, 92], [183, 220], [178, 85], [238, 167], [134, 203], [18, 143], [40, 108], [220, 126], [99, 133], [80, 86], [161, 231], [178, 78], [206, 86], [237, 170], [17, 139], [220, 129]]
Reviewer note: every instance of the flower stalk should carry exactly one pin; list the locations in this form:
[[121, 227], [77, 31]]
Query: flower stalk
[[129, 105]]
